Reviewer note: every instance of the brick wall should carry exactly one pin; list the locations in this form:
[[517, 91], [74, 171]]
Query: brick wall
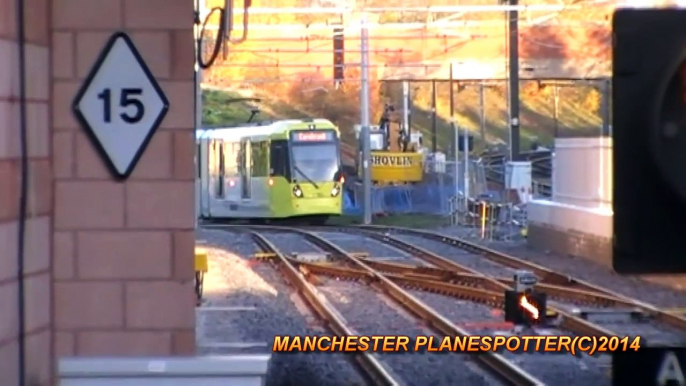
[[38, 226], [109, 266], [123, 252]]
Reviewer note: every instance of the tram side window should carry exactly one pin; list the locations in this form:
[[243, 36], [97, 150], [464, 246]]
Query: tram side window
[[220, 180], [278, 160], [260, 151]]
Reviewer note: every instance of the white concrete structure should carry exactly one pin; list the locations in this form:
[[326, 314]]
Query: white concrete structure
[[577, 220]]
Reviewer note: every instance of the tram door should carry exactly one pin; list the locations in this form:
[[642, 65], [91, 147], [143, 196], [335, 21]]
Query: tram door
[[205, 175], [216, 169], [246, 166]]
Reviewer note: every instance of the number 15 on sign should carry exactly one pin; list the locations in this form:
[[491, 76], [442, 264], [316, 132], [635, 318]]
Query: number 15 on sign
[[130, 100], [120, 105]]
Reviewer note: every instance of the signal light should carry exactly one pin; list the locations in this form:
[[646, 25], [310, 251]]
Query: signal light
[[525, 308], [649, 141], [336, 190], [270, 182], [232, 183], [528, 307]]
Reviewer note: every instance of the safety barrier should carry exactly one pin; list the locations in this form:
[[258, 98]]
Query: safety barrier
[[487, 213], [422, 198], [427, 197]]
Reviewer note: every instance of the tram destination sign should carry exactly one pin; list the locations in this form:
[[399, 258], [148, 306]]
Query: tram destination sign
[[312, 136]]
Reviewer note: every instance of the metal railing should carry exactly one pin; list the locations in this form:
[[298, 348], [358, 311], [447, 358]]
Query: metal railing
[[492, 218], [541, 170]]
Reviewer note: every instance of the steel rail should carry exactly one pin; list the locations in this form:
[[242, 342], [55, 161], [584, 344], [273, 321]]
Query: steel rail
[[500, 366], [453, 284], [504, 369], [369, 362], [547, 275], [439, 274], [479, 295], [568, 321]]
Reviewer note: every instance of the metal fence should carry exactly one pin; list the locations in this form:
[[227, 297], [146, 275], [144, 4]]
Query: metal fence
[[431, 196], [541, 170], [493, 211], [549, 109]]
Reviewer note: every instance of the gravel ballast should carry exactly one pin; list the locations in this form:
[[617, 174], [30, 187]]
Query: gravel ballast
[[235, 280], [481, 319], [580, 268], [269, 308], [552, 369], [370, 314]]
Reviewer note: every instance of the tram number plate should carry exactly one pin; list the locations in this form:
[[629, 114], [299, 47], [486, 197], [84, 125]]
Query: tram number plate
[[659, 366]]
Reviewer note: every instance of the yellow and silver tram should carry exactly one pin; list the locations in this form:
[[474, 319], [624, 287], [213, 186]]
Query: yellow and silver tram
[[281, 170]]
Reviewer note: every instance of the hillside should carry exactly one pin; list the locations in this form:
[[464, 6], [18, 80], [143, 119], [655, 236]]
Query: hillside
[[537, 124], [290, 66]]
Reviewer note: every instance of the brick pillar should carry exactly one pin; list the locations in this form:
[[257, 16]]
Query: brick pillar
[[123, 252]]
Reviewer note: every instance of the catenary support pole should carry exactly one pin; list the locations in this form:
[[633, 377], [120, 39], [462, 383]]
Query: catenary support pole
[[434, 124], [513, 24], [364, 98]]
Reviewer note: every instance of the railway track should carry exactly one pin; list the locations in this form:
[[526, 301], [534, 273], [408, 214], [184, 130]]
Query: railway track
[[437, 281], [489, 273], [324, 310], [300, 276]]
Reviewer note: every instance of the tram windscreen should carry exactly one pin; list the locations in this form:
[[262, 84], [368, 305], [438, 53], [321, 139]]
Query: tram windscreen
[[317, 162]]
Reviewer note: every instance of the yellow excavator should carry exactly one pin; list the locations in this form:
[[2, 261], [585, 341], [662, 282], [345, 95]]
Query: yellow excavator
[[397, 157]]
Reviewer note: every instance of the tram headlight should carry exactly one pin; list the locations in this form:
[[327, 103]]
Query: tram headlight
[[336, 190], [297, 191]]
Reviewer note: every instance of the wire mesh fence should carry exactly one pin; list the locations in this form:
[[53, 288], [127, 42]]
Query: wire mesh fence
[[494, 211], [549, 109]]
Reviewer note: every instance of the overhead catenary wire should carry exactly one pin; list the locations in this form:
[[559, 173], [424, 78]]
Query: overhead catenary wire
[[424, 9], [223, 35], [316, 27], [218, 39]]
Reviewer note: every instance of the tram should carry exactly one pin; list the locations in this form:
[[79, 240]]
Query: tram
[[287, 169]]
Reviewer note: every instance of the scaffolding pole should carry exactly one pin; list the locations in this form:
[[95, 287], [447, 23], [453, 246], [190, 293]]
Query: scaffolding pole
[[455, 135], [406, 109]]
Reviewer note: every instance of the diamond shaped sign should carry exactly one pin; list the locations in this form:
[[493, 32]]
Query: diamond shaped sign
[[120, 105]]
